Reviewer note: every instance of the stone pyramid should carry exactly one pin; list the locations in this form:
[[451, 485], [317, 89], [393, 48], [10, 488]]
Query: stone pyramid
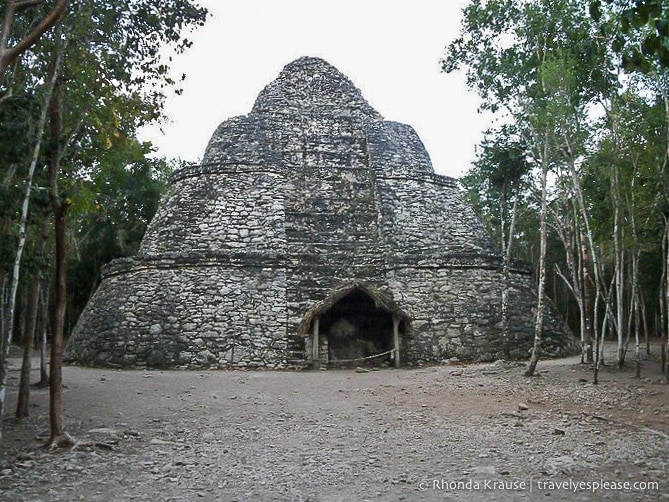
[[313, 233]]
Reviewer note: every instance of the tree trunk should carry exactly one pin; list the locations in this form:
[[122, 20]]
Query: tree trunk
[[664, 302], [637, 329], [538, 325], [3, 367], [505, 273], [506, 329], [3, 308], [590, 263], [22, 310], [58, 434], [569, 232], [619, 261], [666, 298], [44, 326], [644, 321], [586, 342], [637, 313], [22, 405], [598, 342], [663, 299], [59, 208], [587, 296], [32, 310]]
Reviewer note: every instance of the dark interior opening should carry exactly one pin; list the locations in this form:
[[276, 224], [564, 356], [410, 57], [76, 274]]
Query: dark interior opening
[[355, 329]]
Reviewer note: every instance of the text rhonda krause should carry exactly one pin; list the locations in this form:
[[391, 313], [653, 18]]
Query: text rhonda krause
[[472, 484], [538, 485]]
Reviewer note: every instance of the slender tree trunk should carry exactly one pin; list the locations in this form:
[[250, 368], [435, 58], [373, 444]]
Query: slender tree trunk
[[538, 325], [59, 208], [635, 296], [609, 322], [44, 326], [644, 321], [590, 262], [586, 342], [661, 303], [568, 229], [637, 329], [3, 309], [637, 313], [22, 406], [3, 368], [619, 268], [22, 311], [665, 264], [598, 341], [505, 272], [607, 325], [666, 300], [58, 434], [587, 295], [620, 323]]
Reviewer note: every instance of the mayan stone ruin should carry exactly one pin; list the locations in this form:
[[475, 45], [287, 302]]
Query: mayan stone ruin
[[313, 234]]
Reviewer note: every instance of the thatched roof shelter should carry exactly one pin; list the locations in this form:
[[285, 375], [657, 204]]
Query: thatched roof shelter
[[381, 301]]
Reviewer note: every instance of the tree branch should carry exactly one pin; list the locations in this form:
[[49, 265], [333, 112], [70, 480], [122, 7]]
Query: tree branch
[[564, 278], [8, 55], [26, 4]]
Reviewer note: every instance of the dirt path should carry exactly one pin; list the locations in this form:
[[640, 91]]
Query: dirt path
[[438, 433]]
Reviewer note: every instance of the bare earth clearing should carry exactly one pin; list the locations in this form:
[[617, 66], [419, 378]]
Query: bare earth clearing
[[386, 435]]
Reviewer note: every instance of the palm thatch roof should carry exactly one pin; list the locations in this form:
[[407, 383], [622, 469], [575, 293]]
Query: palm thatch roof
[[381, 301]]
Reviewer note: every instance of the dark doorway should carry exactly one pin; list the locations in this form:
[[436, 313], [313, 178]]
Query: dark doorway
[[357, 330]]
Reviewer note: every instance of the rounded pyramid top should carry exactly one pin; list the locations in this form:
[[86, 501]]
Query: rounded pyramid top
[[312, 85], [310, 98]]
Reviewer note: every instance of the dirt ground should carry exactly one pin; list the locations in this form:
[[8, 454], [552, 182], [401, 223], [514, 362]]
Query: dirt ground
[[449, 432]]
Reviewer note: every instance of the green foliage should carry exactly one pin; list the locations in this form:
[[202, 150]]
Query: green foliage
[[17, 134], [504, 42], [115, 71], [637, 152], [114, 77], [16, 129], [117, 77], [123, 199], [551, 71], [500, 171], [643, 39], [120, 47]]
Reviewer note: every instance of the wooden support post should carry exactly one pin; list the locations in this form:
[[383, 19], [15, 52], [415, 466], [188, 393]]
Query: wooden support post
[[396, 339], [316, 346]]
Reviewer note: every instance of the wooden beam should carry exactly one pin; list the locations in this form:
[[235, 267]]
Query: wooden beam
[[396, 340], [316, 346]]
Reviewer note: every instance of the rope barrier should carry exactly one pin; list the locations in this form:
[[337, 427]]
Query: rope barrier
[[391, 351]]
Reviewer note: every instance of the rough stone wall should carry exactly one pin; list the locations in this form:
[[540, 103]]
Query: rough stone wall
[[174, 314], [456, 312], [230, 209], [310, 191], [425, 219]]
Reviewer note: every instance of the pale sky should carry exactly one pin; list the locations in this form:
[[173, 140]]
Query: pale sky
[[390, 49]]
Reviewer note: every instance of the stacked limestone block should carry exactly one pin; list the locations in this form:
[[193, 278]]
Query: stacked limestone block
[[309, 192]]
